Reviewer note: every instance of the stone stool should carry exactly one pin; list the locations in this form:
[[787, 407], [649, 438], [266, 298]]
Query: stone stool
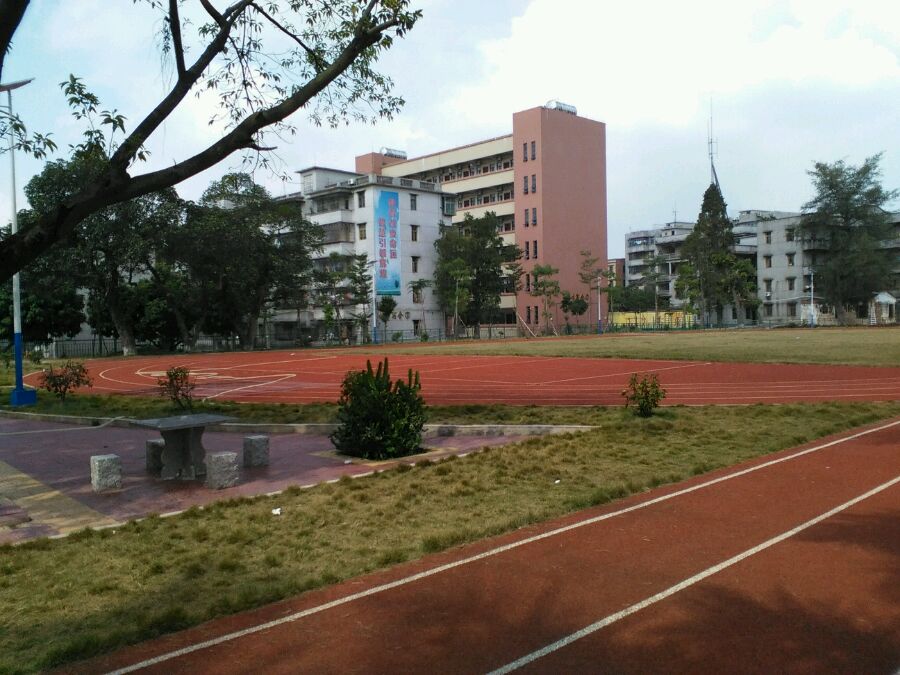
[[221, 470], [256, 450], [153, 451], [106, 472]]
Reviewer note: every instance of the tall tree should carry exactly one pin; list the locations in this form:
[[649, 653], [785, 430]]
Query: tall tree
[[477, 242], [653, 274], [359, 279], [846, 220], [711, 237], [590, 274], [417, 290], [265, 60], [546, 287]]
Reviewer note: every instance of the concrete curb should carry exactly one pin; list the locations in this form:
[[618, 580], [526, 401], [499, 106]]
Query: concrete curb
[[319, 429]]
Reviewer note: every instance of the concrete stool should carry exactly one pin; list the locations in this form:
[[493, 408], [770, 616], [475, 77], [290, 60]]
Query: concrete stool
[[106, 472], [256, 450], [221, 470], [153, 451]]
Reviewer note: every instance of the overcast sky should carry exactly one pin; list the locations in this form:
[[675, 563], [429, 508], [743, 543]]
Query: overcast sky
[[791, 82]]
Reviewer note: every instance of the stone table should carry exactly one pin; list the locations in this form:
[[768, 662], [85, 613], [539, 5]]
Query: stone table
[[183, 456]]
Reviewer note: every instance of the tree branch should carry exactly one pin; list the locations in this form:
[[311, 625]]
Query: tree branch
[[11, 13], [317, 60], [175, 28]]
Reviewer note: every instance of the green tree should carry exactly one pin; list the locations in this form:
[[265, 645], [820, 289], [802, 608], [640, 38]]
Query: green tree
[[590, 274], [417, 290], [846, 220], [266, 61], [656, 266], [546, 287], [573, 304], [385, 308], [738, 282], [703, 248], [359, 278], [478, 244]]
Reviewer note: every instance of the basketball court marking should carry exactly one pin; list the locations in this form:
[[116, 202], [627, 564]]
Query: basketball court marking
[[517, 544]]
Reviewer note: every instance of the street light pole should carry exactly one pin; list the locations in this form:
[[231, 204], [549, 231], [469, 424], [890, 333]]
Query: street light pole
[[20, 396], [812, 298]]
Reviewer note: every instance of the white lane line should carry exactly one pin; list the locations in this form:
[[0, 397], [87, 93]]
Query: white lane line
[[481, 556], [250, 386], [690, 581], [630, 372]]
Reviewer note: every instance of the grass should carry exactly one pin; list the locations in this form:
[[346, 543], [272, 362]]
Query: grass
[[851, 346], [94, 591]]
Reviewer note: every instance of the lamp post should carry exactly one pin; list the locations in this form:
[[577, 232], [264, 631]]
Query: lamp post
[[812, 298], [20, 396]]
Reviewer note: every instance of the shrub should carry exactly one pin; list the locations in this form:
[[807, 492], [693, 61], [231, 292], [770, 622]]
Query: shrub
[[178, 387], [424, 336], [35, 356], [65, 379], [397, 336], [644, 394], [378, 419]]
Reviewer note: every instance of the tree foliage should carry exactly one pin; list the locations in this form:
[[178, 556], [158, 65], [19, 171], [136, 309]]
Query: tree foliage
[[474, 251], [546, 287], [265, 61], [846, 220]]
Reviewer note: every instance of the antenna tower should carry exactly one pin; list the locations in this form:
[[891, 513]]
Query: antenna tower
[[712, 144]]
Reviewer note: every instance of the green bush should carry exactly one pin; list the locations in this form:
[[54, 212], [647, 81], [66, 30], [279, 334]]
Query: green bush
[[397, 336], [65, 379], [424, 336], [178, 387], [378, 419], [644, 394]]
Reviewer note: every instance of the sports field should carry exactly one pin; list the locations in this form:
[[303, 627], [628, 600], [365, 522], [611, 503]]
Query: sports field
[[315, 376]]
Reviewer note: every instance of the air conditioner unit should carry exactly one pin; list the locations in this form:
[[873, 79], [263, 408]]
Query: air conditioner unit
[[768, 295]]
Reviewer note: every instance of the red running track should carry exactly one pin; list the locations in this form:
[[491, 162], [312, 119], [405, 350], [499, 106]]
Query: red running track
[[786, 564], [308, 376]]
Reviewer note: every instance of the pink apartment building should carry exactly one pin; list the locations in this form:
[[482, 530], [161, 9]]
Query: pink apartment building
[[546, 181]]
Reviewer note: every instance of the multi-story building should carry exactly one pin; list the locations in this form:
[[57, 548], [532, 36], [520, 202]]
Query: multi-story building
[[546, 182], [785, 269], [665, 242], [392, 221]]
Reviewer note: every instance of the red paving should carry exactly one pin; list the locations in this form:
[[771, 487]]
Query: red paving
[[824, 599], [308, 376]]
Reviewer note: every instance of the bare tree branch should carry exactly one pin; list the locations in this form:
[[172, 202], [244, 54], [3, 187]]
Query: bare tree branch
[[175, 28], [11, 13]]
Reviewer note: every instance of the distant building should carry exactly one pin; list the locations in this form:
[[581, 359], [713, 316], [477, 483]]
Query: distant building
[[395, 223], [546, 182]]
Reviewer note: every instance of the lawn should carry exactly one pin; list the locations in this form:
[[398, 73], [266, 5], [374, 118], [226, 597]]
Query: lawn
[[851, 346], [95, 591]]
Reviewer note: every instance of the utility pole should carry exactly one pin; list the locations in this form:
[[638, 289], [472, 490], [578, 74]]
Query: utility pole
[[812, 298], [20, 396]]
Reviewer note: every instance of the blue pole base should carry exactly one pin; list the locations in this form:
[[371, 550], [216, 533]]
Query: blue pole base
[[21, 397]]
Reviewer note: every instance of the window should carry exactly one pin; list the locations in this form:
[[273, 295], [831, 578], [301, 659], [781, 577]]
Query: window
[[527, 251], [346, 203], [791, 282], [535, 249], [734, 312], [526, 217], [415, 263], [361, 199], [524, 152], [534, 215], [768, 236], [533, 155], [769, 309], [361, 232], [792, 309], [789, 234], [536, 315], [767, 260], [528, 282], [790, 259], [525, 185], [412, 202], [416, 323], [528, 314], [414, 233], [768, 283], [533, 183]]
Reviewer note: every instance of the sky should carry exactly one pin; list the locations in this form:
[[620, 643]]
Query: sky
[[787, 82]]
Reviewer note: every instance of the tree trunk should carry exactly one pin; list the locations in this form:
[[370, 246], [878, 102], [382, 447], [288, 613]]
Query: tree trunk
[[122, 321]]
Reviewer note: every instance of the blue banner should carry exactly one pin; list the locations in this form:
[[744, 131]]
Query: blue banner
[[387, 244]]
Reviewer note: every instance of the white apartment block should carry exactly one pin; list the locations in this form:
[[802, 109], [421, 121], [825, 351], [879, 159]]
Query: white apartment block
[[394, 222]]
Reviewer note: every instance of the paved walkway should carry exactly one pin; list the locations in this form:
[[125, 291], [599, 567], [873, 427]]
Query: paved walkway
[[45, 481]]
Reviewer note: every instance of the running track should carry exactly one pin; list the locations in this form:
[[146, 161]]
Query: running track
[[308, 376], [785, 564]]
